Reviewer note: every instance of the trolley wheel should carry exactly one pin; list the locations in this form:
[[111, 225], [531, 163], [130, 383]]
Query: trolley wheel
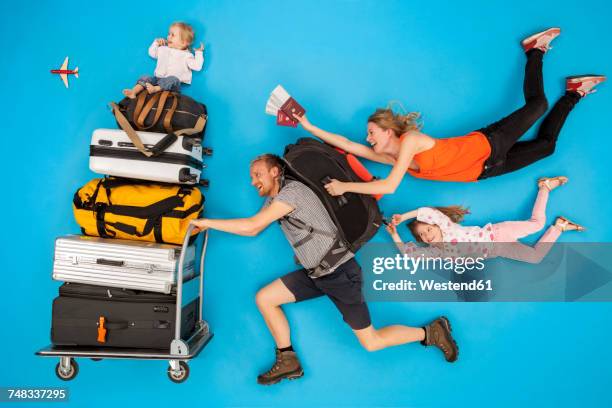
[[180, 375], [207, 151], [70, 374]]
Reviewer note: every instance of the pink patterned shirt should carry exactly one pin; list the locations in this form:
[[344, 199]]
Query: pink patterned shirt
[[480, 238]]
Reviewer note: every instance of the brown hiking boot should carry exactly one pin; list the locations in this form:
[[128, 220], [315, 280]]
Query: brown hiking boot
[[287, 366], [438, 333]]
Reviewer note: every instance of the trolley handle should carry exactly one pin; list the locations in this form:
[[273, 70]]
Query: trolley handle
[[181, 261], [179, 278], [185, 245]]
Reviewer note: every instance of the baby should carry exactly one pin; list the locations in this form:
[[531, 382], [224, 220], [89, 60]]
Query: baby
[[174, 62]]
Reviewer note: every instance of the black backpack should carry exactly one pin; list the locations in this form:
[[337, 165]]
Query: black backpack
[[356, 216], [162, 112]]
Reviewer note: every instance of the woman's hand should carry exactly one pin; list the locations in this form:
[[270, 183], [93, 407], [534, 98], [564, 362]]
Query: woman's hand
[[160, 41], [335, 187], [391, 229], [303, 121], [200, 225], [200, 48], [397, 219]]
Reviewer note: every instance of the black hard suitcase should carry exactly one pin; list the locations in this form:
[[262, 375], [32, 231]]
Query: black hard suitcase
[[86, 315]]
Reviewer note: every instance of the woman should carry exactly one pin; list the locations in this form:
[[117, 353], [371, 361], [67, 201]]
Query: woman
[[439, 228], [395, 139]]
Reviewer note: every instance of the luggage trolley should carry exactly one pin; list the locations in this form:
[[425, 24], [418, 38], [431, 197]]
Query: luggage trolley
[[179, 352]]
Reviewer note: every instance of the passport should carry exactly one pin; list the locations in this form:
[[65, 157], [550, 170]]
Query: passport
[[283, 106], [283, 120]]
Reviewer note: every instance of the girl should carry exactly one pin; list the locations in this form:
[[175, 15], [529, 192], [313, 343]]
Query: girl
[[174, 62], [395, 139], [439, 228]]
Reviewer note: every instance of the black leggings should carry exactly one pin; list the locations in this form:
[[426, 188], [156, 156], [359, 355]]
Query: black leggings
[[507, 154]]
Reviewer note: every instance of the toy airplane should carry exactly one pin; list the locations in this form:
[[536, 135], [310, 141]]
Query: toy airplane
[[64, 72]]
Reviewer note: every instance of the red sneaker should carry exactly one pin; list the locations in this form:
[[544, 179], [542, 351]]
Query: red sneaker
[[583, 84], [541, 40]]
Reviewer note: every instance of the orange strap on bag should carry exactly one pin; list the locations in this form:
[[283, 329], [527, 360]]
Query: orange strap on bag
[[359, 169], [101, 330]]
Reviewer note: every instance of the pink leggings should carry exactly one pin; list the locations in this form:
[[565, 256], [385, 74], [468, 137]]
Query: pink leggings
[[508, 233]]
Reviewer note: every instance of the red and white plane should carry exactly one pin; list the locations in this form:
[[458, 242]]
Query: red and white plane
[[64, 72]]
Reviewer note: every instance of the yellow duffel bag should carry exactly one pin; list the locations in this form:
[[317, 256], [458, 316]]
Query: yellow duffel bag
[[136, 210]]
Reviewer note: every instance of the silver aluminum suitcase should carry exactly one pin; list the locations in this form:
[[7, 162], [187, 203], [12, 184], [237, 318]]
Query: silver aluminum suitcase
[[120, 263], [112, 152]]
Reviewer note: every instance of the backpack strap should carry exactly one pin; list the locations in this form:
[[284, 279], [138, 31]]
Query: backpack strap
[[197, 128], [164, 143], [141, 112], [140, 101], [337, 251], [333, 255], [167, 123], [159, 98], [129, 130], [299, 224]]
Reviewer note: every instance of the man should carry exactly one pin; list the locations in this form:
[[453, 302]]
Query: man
[[342, 282]]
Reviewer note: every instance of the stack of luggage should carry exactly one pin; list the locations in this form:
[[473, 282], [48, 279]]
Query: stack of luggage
[[121, 274]]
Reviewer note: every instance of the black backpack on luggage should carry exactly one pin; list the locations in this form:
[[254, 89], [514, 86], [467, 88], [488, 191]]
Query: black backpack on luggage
[[313, 163], [162, 112]]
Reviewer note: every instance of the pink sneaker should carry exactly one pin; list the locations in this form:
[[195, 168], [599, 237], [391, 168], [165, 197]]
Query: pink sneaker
[[541, 40], [583, 84]]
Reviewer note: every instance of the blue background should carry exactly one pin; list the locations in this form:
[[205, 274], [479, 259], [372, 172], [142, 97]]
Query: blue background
[[459, 63]]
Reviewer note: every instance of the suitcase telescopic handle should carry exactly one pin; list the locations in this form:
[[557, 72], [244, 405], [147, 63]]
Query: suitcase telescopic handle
[[109, 262]]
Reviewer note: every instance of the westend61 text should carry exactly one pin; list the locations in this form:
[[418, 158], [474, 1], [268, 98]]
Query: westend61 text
[[431, 285]]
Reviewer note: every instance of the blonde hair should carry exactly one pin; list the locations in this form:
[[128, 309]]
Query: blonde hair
[[456, 213], [400, 123], [271, 160], [186, 31]]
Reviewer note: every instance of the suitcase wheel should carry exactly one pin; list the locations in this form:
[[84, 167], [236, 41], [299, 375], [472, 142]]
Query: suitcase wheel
[[207, 151], [180, 374], [67, 374]]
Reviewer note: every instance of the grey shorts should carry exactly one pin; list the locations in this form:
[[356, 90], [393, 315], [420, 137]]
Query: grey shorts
[[343, 287]]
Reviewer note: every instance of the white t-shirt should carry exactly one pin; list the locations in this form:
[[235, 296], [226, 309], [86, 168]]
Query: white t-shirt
[[173, 62]]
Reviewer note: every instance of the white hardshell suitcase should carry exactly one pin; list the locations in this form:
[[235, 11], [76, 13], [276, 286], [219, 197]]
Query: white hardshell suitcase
[[120, 263], [177, 159]]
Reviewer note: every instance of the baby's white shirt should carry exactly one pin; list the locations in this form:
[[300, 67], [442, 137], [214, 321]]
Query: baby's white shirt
[[173, 62]]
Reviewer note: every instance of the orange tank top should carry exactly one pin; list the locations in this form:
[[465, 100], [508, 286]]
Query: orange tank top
[[459, 158]]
